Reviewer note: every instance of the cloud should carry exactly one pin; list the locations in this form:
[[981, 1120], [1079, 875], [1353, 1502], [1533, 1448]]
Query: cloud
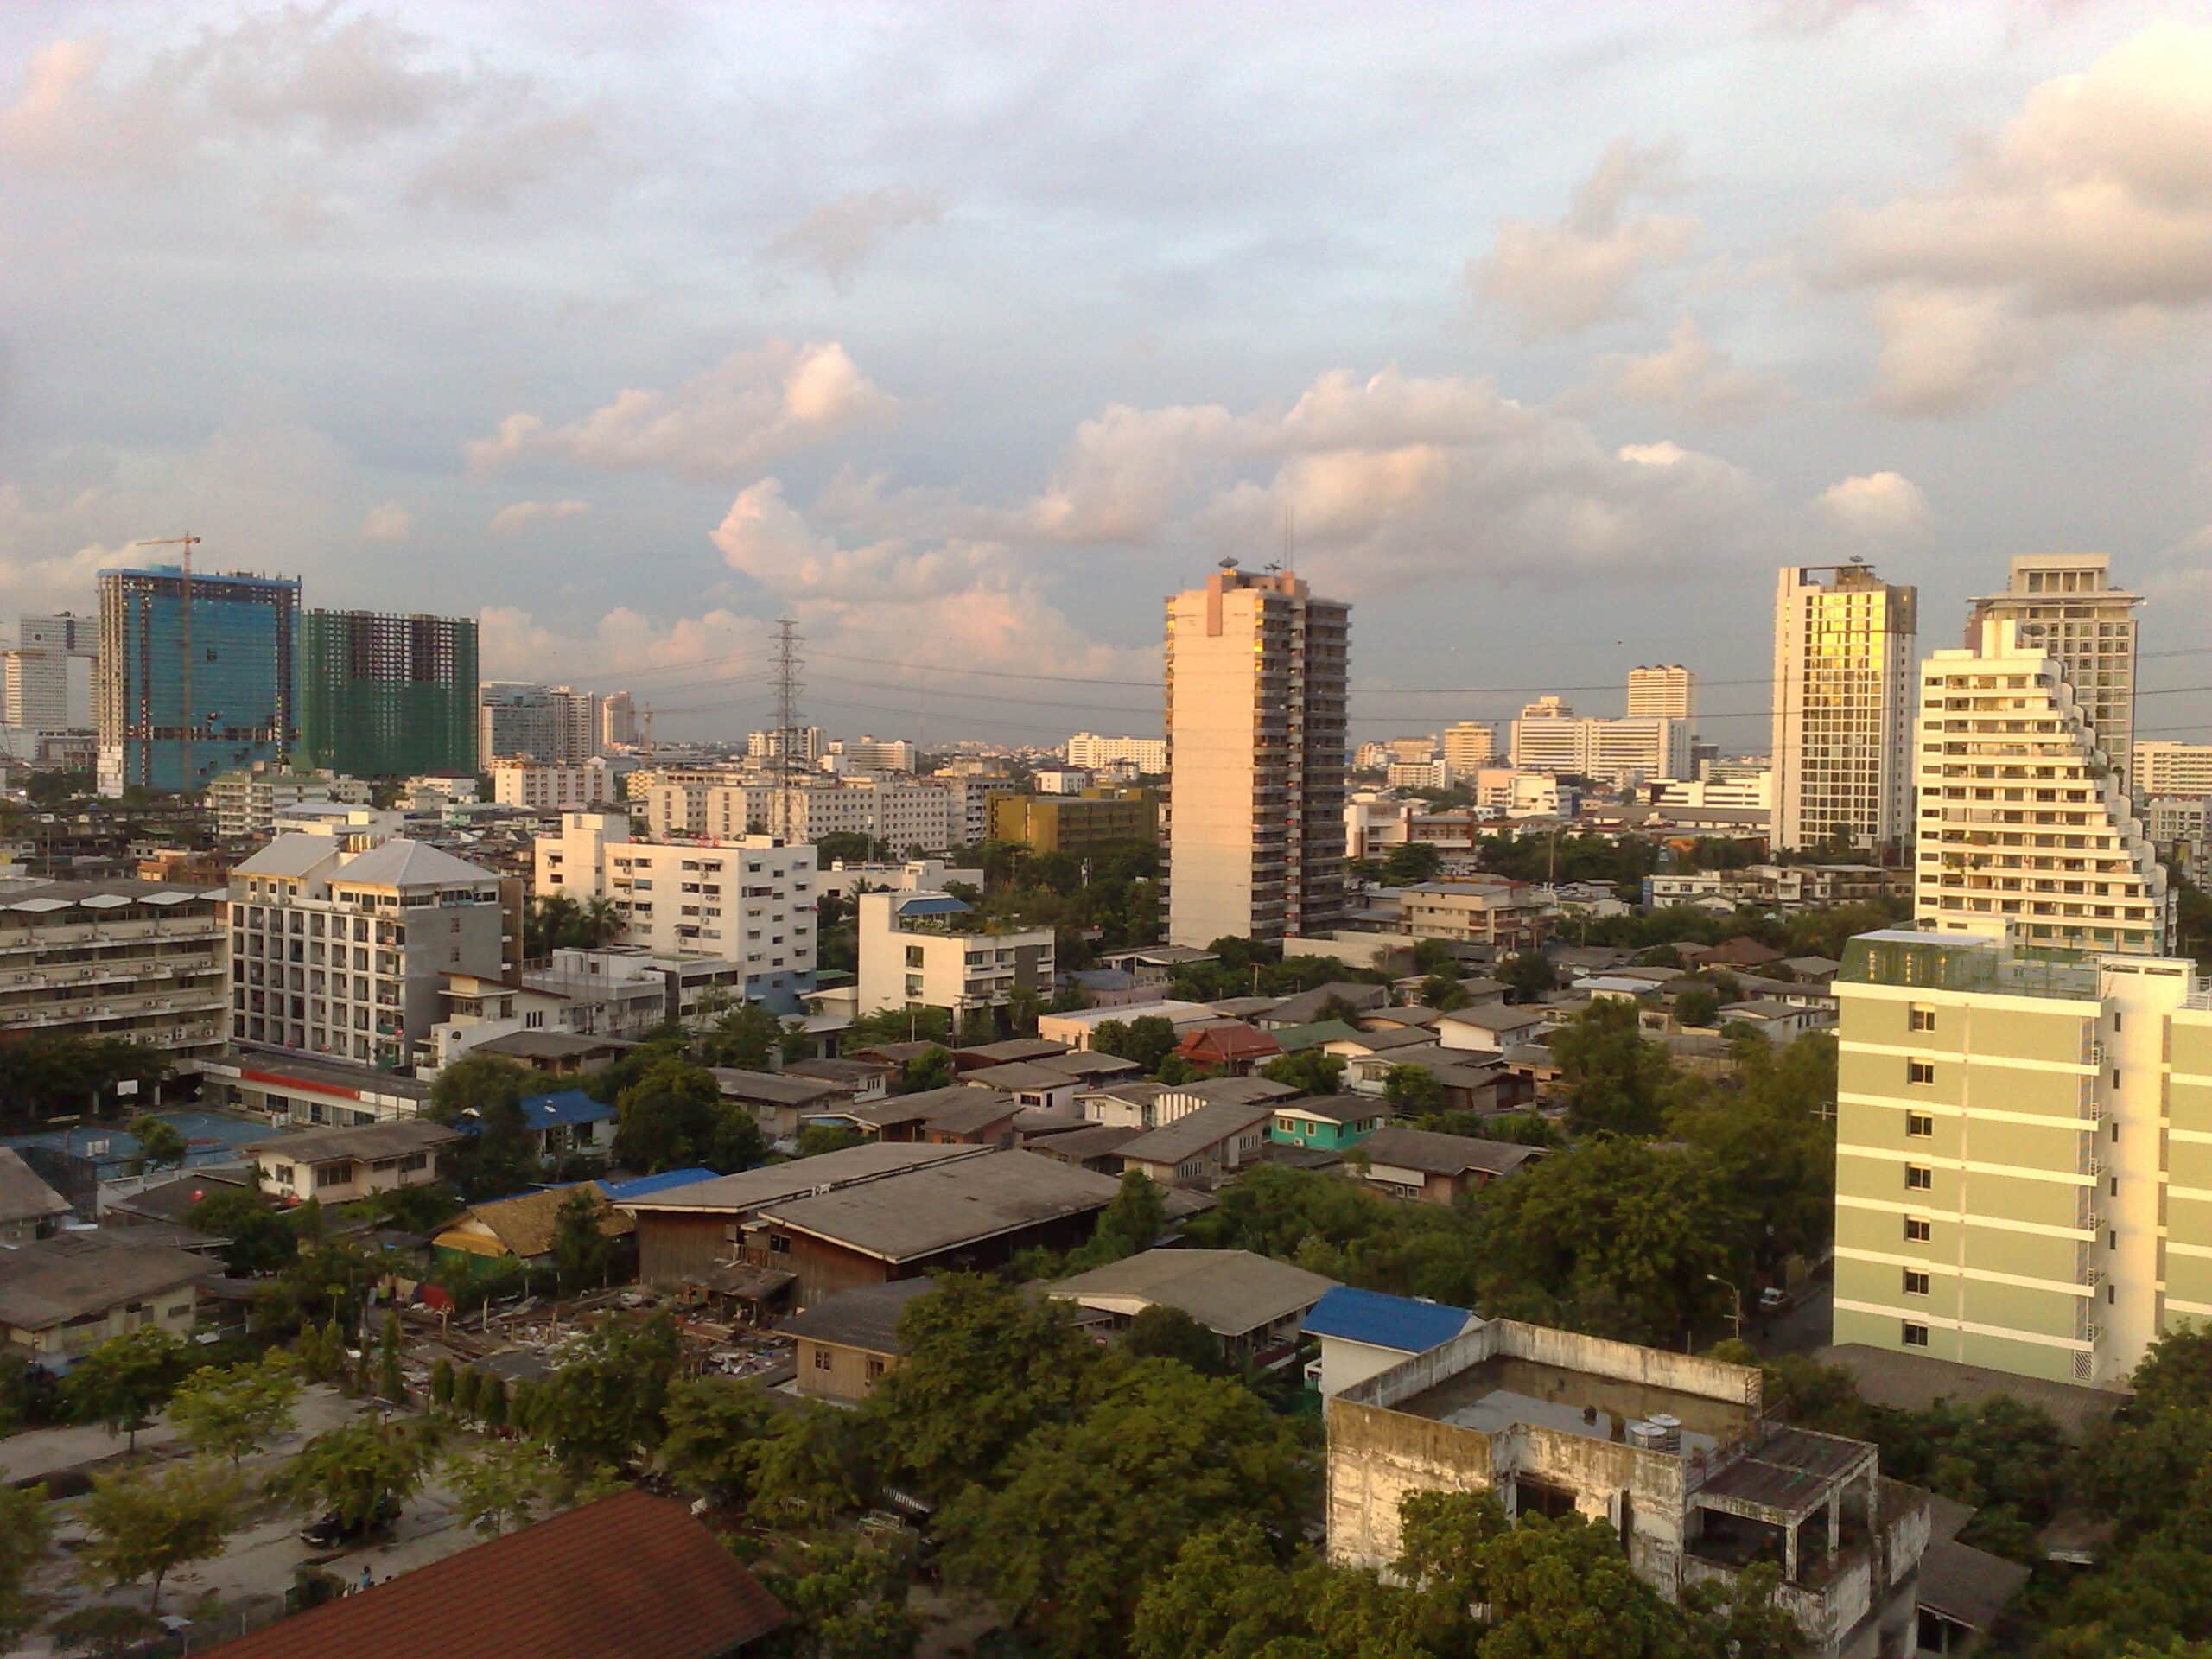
[[518, 515], [513, 642], [1561, 278], [1689, 373], [2093, 206], [1876, 505], [839, 237], [390, 523], [749, 407]]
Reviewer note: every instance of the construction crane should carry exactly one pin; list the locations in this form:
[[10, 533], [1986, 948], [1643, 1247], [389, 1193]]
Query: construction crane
[[187, 542]]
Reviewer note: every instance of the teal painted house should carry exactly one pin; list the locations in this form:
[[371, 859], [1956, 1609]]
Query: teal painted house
[[1328, 1122]]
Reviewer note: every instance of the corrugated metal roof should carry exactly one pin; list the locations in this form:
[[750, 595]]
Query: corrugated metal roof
[[1399, 1322]]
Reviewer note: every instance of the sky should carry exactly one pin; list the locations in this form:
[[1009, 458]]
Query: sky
[[962, 334]]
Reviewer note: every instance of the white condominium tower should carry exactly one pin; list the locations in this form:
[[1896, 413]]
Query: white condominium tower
[[1843, 664], [1256, 680], [2066, 605], [1667, 692], [2023, 826]]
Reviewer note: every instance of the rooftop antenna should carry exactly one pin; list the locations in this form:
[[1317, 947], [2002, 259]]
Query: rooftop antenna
[[187, 542]]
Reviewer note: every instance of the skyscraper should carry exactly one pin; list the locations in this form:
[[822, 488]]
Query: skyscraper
[[1257, 682], [516, 717], [1843, 664], [388, 697], [2066, 607], [576, 718], [38, 669], [618, 721], [2023, 826], [1468, 744], [197, 674], [1664, 692]]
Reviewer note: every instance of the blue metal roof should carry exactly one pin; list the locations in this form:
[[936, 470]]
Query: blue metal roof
[[933, 904], [638, 1186], [570, 1106], [1380, 1321]]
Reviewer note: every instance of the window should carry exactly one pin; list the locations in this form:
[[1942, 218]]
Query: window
[[1923, 1019], [1919, 1124], [1918, 1177], [875, 1369], [778, 1245], [1920, 1072], [1918, 1230], [821, 1359], [1915, 1283], [1915, 1336]]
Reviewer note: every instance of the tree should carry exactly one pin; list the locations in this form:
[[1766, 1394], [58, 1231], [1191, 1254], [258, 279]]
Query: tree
[[143, 1525], [25, 1529], [978, 1025], [814, 1138], [488, 1090], [1160, 1331], [932, 1069], [713, 1426], [668, 1118], [1698, 1007], [1131, 1224], [1152, 1039], [1174, 1071], [1092, 1509], [1412, 1092], [356, 1470], [227, 1414], [581, 1250], [848, 1601], [105, 1629], [806, 1468], [1410, 861], [467, 1388], [124, 1381], [496, 1485], [1112, 1038], [607, 1401], [162, 1145], [441, 1384], [1311, 1071], [260, 1240], [1444, 993], [748, 1037], [392, 1382], [1527, 975], [1616, 1078]]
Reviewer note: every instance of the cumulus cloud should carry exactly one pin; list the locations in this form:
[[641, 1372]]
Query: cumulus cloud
[[512, 641], [519, 516], [1561, 278], [749, 407], [1688, 373], [1876, 505], [839, 237], [390, 523], [2092, 205]]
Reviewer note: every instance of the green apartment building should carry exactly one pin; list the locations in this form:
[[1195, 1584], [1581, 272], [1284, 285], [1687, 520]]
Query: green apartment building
[[2024, 1155], [388, 697]]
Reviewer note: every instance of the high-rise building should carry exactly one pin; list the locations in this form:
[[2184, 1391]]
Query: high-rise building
[[2165, 768], [577, 719], [515, 717], [1550, 737], [246, 802], [388, 697], [1091, 753], [543, 787], [197, 674], [2024, 826], [876, 753], [1256, 684], [806, 745], [1468, 744], [1665, 691], [1843, 665], [2024, 1155], [618, 720], [2066, 605], [39, 671]]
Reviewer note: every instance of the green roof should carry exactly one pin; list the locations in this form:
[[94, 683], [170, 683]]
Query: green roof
[[1296, 1039]]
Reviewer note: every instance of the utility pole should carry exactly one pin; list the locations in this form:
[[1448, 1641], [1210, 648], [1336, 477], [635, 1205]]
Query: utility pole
[[788, 682], [187, 542]]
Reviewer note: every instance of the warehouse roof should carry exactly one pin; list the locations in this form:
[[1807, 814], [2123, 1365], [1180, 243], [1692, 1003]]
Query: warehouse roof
[[910, 1217], [396, 1139], [750, 1189], [53, 1281], [773, 1088], [1228, 1292], [866, 1317]]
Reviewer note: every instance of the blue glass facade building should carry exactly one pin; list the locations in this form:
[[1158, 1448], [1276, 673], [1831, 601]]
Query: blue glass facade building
[[185, 694]]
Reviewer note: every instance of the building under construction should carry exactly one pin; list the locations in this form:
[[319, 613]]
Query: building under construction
[[388, 697], [197, 674]]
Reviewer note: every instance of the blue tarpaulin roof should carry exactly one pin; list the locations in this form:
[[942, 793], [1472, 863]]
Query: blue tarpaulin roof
[[641, 1185], [1399, 1322], [570, 1106], [932, 904]]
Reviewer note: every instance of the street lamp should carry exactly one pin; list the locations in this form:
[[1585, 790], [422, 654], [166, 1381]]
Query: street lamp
[[1737, 1296]]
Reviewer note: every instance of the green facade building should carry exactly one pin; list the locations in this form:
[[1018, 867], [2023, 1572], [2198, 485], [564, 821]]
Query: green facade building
[[2024, 1155], [388, 697]]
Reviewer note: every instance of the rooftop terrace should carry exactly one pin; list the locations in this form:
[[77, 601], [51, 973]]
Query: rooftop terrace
[[1504, 1391]]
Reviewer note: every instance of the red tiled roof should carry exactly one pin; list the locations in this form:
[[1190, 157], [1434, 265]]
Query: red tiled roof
[[630, 1574], [1232, 1040]]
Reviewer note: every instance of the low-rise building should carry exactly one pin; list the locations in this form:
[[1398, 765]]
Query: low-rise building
[[142, 961], [63, 1295], [245, 803], [955, 1117], [1060, 822], [1326, 1122], [1199, 1148], [523, 1229], [334, 1165], [930, 950], [1253, 1305], [1506, 916], [29, 1208], [1491, 1030], [1077, 1028], [542, 787], [1363, 1332], [846, 1343], [1436, 1168], [313, 1093]]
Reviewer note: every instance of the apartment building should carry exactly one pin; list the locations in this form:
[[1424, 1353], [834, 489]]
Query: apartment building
[[1418, 774], [1468, 744], [344, 953], [2065, 604], [1520, 794], [1663, 692], [876, 753], [1091, 753], [905, 814], [198, 675], [383, 696], [747, 899], [1256, 683], [930, 950], [1549, 737], [2180, 828], [1076, 823], [1492, 911], [38, 693], [543, 787], [138, 960], [246, 802], [2165, 768], [555, 724], [2024, 826], [618, 721], [806, 745], [968, 802], [2024, 1157], [1755, 791], [1844, 643]]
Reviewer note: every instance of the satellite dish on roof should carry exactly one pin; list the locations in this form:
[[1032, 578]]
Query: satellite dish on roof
[[1229, 563]]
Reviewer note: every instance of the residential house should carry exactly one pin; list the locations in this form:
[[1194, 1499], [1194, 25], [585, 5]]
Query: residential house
[[1400, 1017], [29, 1208], [956, 1115], [1472, 1082], [1812, 970], [1363, 1332], [1149, 1105], [1096, 1146], [1237, 1048], [1742, 951], [1077, 1028], [1253, 1305], [780, 1101], [557, 1053], [1388, 1040], [1028, 1082], [1202, 1148], [523, 1229], [628, 1575], [846, 1342], [1780, 1023], [1437, 1168], [334, 1165], [1337, 994], [1492, 1030], [1005, 1053], [570, 1120], [62, 1295], [1326, 1122], [862, 1079], [1296, 1039], [1155, 965], [169, 1203]]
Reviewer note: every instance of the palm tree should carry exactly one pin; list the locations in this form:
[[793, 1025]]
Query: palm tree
[[601, 921]]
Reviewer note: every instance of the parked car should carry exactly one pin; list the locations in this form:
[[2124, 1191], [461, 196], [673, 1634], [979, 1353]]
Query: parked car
[[331, 1530], [1774, 1299]]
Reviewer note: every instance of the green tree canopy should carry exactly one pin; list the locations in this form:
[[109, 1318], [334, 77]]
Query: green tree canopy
[[353, 1470], [749, 1037], [229, 1412], [714, 1424], [162, 1145], [608, 1402], [580, 1248], [261, 1240], [1311, 1072], [1527, 975], [496, 1484], [124, 1381], [1412, 1092], [145, 1525], [669, 1118], [1616, 1078], [25, 1530]]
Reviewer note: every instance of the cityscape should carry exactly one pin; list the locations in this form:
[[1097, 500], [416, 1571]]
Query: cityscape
[[917, 1099]]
